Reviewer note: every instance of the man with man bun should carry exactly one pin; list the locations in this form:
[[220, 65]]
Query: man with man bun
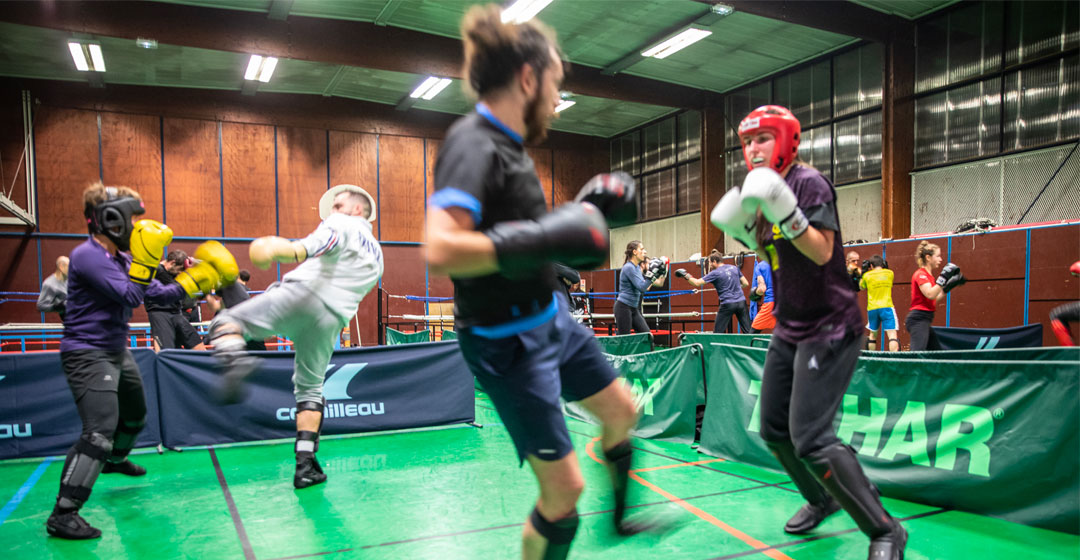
[[488, 228], [340, 262]]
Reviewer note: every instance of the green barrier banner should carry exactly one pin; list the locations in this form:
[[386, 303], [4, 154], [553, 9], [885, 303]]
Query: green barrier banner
[[449, 335], [626, 344], [394, 337], [665, 386], [993, 437], [705, 339], [1049, 353]]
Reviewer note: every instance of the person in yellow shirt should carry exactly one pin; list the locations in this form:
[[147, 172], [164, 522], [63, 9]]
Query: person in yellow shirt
[[878, 283]]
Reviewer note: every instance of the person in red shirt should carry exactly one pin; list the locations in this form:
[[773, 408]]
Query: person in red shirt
[[926, 292]]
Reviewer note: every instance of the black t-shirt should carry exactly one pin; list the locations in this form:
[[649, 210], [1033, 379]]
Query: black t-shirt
[[482, 167], [233, 294], [165, 278]]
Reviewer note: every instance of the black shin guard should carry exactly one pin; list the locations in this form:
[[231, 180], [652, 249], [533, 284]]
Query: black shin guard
[[311, 439], [124, 442], [819, 503], [81, 468], [559, 534], [838, 470], [619, 457]]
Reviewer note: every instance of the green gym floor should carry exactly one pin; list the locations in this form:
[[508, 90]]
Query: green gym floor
[[456, 492]]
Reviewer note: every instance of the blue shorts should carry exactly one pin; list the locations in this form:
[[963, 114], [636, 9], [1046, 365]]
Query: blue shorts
[[526, 373], [884, 318]]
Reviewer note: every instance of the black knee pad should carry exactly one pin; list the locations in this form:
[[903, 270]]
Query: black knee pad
[[81, 469], [304, 436], [559, 532]]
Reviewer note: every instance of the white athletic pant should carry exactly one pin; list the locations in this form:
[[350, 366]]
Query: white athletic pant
[[292, 310]]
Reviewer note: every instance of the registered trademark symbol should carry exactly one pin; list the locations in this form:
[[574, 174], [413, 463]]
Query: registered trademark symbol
[[999, 414]]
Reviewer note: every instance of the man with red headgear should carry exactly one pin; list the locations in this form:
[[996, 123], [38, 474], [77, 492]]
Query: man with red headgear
[[818, 333]]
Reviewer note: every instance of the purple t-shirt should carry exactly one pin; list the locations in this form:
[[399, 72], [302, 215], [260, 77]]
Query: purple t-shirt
[[813, 302], [101, 297], [725, 278]]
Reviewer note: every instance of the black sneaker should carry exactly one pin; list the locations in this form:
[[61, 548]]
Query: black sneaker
[[308, 472], [810, 516], [70, 526], [127, 467], [889, 546]]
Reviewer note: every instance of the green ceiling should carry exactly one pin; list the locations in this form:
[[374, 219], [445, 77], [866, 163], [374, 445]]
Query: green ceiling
[[592, 33]]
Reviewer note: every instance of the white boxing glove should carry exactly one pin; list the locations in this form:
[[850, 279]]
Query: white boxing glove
[[766, 189], [729, 217]]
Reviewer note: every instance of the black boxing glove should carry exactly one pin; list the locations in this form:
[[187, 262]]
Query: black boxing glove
[[574, 234], [615, 194], [946, 273], [954, 281], [656, 268], [682, 273]]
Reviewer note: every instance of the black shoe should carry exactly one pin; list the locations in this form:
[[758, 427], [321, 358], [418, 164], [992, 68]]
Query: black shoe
[[645, 523], [70, 526], [308, 472], [889, 546], [810, 516], [127, 467]]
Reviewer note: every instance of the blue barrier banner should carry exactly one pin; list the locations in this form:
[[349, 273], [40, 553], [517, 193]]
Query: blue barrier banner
[[37, 412], [366, 389], [957, 338]]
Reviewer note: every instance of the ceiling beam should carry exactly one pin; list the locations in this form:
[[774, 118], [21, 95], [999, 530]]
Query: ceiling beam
[[279, 9], [331, 41], [837, 16]]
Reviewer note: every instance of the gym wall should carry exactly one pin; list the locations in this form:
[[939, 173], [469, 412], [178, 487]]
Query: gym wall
[[217, 165]]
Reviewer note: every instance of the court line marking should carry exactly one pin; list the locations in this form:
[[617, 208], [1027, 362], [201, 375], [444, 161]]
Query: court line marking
[[824, 536], [700, 513], [497, 527], [690, 464], [23, 490], [249, 554]]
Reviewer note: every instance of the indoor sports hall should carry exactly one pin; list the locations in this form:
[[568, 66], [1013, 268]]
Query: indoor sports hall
[[542, 279]]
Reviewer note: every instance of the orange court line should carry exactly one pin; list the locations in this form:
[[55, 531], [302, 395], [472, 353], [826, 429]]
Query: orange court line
[[701, 514], [647, 469]]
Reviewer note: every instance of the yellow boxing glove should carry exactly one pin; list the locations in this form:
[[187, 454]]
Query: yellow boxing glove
[[202, 277], [148, 242], [220, 258], [265, 251]]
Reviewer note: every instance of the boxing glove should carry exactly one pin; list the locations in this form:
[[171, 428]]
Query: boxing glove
[[148, 242], [264, 251], [729, 217], [946, 273], [767, 190], [953, 281], [681, 273], [615, 194], [574, 234], [220, 258], [201, 278], [656, 268]]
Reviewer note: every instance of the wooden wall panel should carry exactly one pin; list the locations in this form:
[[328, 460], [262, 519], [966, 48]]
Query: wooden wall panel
[[12, 144], [66, 149], [401, 188], [192, 178], [353, 160], [573, 168], [542, 163], [604, 281], [686, 303], [301, 179], [19, 273], [131, 156], [248, 180], [440, 286], [990, 256], [986, 304], [403, 276], [1053, 250], [366, 322]]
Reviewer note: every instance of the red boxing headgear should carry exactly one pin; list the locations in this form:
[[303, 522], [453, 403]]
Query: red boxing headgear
[[783, 125]]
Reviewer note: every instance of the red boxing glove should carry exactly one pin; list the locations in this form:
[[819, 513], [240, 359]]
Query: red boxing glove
[[1075, 268]]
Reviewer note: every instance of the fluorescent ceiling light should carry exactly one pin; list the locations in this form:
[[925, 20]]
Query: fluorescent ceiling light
[[87, 57], [676, 43], [430, 88], [78, 56], [566, 104], [523, 10], [96, 56], [260, 68]]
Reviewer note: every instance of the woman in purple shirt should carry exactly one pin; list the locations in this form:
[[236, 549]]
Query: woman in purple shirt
[[104, 285], [788, 209]]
